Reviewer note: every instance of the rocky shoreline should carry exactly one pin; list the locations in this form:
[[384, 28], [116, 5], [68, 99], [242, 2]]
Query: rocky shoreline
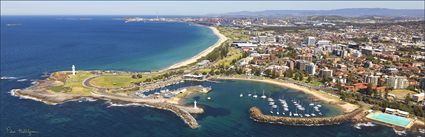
[[257, 115], [39, 92]]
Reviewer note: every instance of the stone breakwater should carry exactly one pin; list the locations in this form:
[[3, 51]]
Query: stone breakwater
[[183, 114], [257, 115]]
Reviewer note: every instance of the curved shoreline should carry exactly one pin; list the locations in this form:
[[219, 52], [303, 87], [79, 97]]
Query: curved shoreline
[[346, 107], [221, 40]]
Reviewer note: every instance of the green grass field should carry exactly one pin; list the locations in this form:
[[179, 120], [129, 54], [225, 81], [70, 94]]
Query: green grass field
[[113, 81], [401, 93], [75, 83], [233, 54]]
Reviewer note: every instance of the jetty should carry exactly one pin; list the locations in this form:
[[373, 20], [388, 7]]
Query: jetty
[[257, 115]]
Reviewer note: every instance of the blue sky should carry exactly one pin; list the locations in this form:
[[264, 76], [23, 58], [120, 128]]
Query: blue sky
[[184, 7]]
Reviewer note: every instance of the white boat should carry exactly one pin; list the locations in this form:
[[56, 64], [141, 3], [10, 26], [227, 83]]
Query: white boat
[[263, 96], [208, 98], [277, 111], [311, 104], [290, 114], [271, 112], [255, 96], [270, 99], [274, 106], [249, 94], [295, 114], [313, 115], [286, 109], [271, 103], [307, 115], [241, 95]]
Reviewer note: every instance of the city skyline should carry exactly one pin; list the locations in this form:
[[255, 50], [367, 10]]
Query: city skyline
[[184, 7]]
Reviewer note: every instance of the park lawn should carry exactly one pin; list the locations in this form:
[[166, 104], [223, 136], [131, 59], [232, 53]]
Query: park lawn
[[113, 81], [401, 93], [234, 34], [234, 54], [75, 83]]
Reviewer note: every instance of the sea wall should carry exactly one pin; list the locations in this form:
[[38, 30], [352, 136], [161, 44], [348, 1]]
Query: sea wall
[[258, 116]]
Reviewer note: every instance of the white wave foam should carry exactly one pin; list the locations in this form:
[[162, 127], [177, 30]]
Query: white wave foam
[[13, 93], [22, 80], [400, 133], [86, 99], [360, 125], [112, 104], [8, 78]]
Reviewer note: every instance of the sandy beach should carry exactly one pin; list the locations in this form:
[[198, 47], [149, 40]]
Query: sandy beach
[[347, 107], [221, 39]]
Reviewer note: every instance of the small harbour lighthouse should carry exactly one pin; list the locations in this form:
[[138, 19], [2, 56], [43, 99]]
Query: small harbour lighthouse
[[73, 69], [194, 104]]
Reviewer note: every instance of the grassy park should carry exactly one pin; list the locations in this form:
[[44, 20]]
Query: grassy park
[[401, 93], [112, 81]]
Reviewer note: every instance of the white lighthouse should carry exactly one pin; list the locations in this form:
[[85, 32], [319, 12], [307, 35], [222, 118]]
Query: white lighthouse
[[73, 69], [194, 104]]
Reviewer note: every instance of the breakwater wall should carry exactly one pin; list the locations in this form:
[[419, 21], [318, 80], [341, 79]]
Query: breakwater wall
[[257, 115]]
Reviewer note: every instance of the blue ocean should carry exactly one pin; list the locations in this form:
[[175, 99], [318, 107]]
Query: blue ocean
[[33, 45]]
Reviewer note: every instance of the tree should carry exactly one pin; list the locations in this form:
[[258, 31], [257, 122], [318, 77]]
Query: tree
[[268, 72], [407, 99], [301, 77], [288, 73], [386, 94], [369, 90], [309, 79]]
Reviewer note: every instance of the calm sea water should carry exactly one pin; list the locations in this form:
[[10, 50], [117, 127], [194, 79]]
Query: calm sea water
[[46, 44]]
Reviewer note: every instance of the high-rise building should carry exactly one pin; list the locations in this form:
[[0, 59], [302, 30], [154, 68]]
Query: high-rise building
[[311, 41], [397, 82], [301, 64], [371, 79], [325, 73], [310, 69]]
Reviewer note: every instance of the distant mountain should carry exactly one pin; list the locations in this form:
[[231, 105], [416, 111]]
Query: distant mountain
[[351, 12]]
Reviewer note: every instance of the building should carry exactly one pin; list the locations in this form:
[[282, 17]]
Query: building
[[311, 41], [262, 39], [310, 69], [325, 73], [396, 112], [371, 79], [203, 63], [323, 42], [301, 64], [290, 64], [397, 82], [418, 97], [193, 76], [422, 84], [245, 45]]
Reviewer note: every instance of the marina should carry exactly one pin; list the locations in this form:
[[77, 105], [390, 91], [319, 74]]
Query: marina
[[297, 108]]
